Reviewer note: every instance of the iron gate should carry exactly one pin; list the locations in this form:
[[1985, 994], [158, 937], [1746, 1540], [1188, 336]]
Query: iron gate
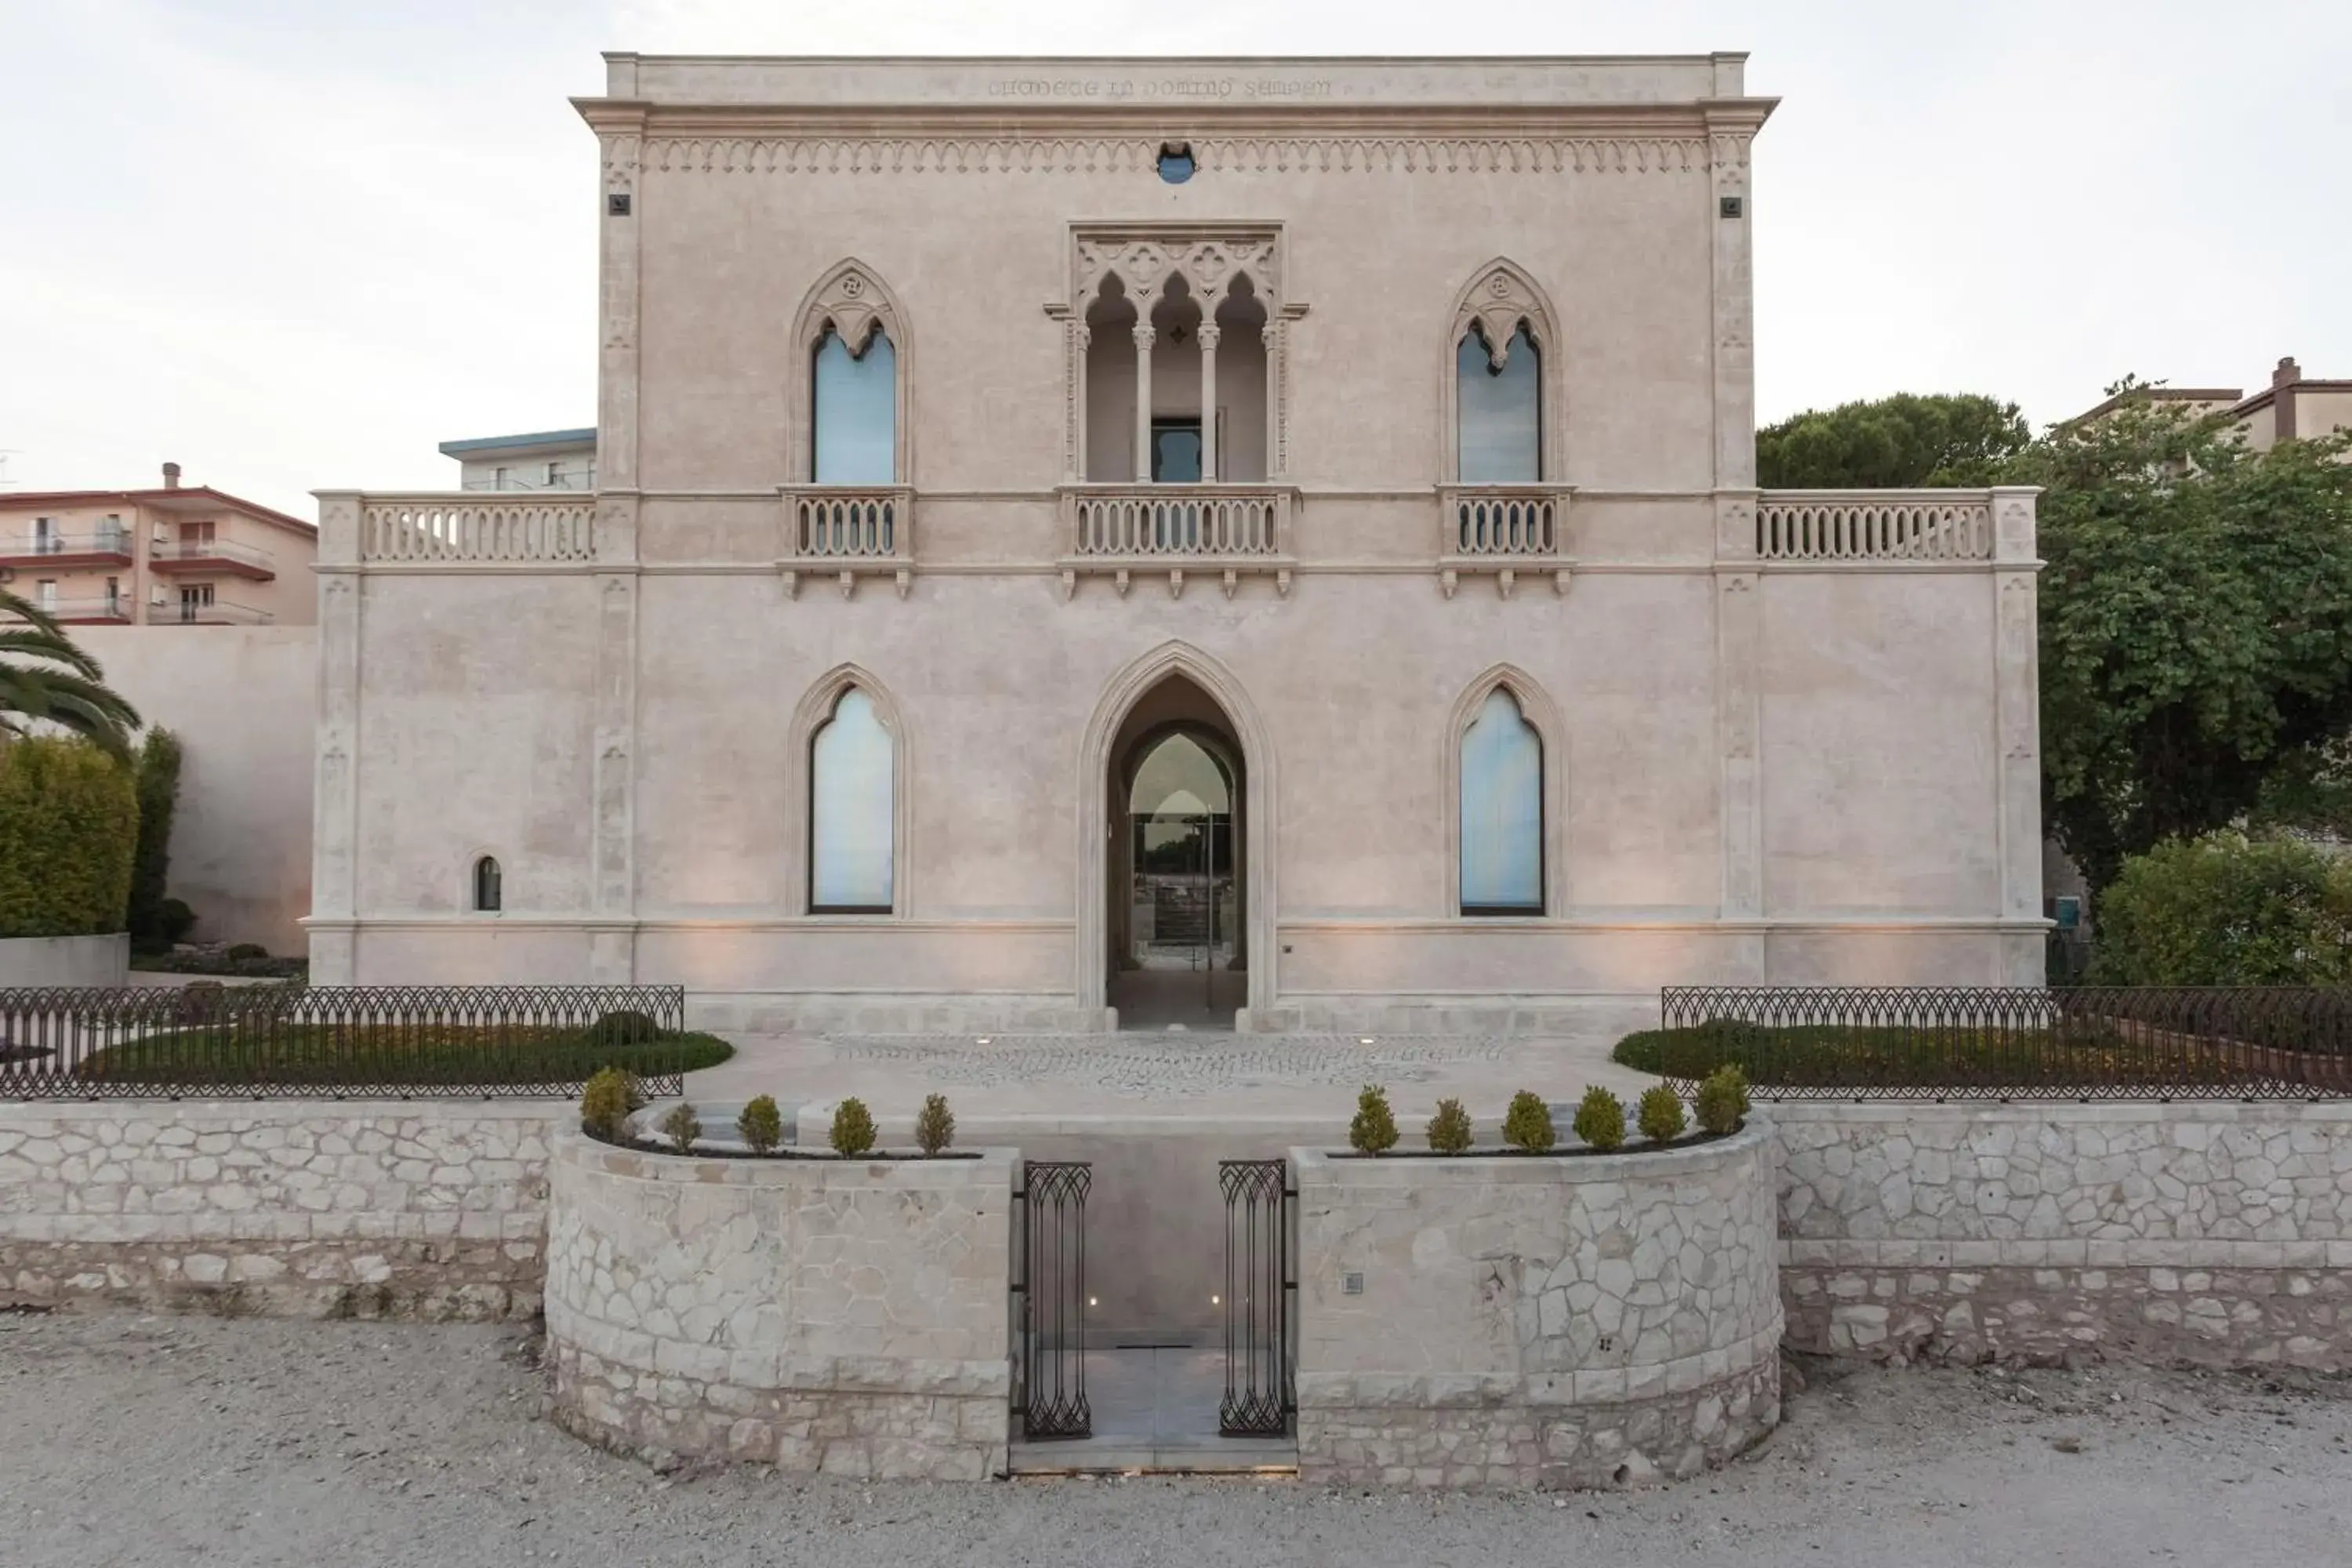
[[1259, 1320], [1049, 1299]]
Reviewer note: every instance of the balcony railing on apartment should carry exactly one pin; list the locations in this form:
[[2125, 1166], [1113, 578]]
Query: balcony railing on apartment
[[1874, 525], [474, 526], [99, 611], [107, 545], [187, 555], [218, 612]]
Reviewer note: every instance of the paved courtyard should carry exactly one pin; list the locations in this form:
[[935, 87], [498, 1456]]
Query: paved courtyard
[[127, 1441], [1186, 1075]]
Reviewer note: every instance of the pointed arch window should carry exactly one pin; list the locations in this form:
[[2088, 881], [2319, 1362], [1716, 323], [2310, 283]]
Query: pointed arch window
[[1502, 821], [854, 410], [1498, 398], [489, 891], [853, 783]]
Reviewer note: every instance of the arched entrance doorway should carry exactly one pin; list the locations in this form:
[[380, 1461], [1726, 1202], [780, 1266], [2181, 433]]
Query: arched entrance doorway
[[1177, 904]]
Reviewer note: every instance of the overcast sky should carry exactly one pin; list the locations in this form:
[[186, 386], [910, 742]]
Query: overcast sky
[[295, 245]]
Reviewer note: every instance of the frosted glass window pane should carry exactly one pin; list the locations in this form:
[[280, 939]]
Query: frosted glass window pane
[[1499, 412], [857, 412], [1502, 810], [850, 813]]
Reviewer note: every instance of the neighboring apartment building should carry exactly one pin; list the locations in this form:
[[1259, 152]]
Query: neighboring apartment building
[[545, 460], [175, 555], [1058, 518], [2292, 407]]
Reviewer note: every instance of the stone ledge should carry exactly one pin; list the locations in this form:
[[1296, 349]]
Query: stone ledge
[[1593, 1386], [431, 1282], [2142, 1252]]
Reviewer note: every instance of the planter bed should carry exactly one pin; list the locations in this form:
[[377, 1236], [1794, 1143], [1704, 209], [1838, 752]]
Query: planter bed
[[708, 1151]]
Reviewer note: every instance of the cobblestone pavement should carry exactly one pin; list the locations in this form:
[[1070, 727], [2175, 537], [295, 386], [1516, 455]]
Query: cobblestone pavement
[[1197, 1074], [131, 1441]]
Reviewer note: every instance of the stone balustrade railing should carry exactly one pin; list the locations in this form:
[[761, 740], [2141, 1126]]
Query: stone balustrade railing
[[1176, 522], [1504, 523], [848, 532], [477, 526], [1874, 525]]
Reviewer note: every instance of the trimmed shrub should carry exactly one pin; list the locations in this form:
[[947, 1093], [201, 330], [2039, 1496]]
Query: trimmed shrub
[[1528, 1123], [245, 953], [203, 1001], [1722, 1100], [1374, 1129], [853, 1129], [1449, 1130], [607, 1102], [158, 784], [2226, 909], [625, 1027], [935, 1128], [762, 1125], [1600, 1120], [681, 1126], [69, 826], [177, 920], [1660, 1114]]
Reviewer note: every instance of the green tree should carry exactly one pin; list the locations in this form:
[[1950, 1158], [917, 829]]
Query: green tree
[[159, 787], [1902, 442], [2196, 623], [43, 676], [2227, 910]]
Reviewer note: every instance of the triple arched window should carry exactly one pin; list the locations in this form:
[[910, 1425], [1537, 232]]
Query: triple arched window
[[1499, 410]]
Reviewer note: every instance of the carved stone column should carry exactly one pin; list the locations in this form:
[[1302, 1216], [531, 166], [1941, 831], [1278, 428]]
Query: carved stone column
[[1143, 338], [1210, 334], [334, 813], [2017, 720], [1081, 338], [1277, 444]]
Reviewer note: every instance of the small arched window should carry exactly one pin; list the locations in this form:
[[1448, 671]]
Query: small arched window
[[489, 892], [1502, 811], [853, 781], [1499, 404], [854, 410]]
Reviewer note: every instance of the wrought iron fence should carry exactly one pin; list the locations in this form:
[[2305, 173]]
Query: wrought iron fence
[[1259, 1396], [2083, 1042], [279, 1041], [1049, 1300]]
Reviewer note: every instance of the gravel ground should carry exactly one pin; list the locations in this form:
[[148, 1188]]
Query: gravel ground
[[127, 1440]]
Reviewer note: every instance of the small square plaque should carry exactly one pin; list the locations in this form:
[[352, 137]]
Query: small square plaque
[[1351, 1284]]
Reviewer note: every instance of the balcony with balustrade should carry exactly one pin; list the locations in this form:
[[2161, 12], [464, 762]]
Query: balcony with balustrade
[[470, 527], [95, 610], [1219, 530], [1503, 530], [848, 532]]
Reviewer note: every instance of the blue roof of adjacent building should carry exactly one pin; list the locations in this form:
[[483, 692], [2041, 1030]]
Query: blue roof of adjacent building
[[537, 439]]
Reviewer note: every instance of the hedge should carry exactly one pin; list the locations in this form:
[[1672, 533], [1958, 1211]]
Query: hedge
[[68, 825], [159, 786], [2226, 909]]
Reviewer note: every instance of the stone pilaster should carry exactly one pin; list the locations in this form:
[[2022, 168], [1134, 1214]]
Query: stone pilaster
[[614, 821], [334, 822], [2017, 710], [1738, 663], [617, 305], [1729, 134]]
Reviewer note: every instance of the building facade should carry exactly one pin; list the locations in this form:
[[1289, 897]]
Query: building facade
[[2292, 407], [1076, 539], [542, 460], [171, 555]]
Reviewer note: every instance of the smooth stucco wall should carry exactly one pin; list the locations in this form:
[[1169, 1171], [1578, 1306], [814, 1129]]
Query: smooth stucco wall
[[241, 699], [64, 959]]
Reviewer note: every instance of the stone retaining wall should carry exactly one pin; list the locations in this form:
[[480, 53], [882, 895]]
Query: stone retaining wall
[[2218, 1234], [296, 1208], [64, 959], [1549, 1321], [819, 1315]]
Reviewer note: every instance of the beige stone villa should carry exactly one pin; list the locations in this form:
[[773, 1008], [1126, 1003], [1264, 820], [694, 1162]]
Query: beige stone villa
[[1112, 540]]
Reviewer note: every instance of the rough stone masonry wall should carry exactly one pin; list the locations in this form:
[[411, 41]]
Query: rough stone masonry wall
[[304, 1209], [2215, 1233], [1572, 1321], [819, 1315]]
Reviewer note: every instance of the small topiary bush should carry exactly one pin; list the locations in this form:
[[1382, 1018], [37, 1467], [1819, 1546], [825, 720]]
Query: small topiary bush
[[762, 1125], [853, 1129], [935, 1128], [1374, 1129], [681, 1126], [625, 1026], [1528, 1123], [607, 1102], [1449, 1130], [1722, 1100], [1660, 1114], [1600, 1120]]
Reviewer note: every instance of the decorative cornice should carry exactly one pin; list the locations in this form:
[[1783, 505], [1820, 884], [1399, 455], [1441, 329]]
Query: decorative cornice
[[1047, 154]]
